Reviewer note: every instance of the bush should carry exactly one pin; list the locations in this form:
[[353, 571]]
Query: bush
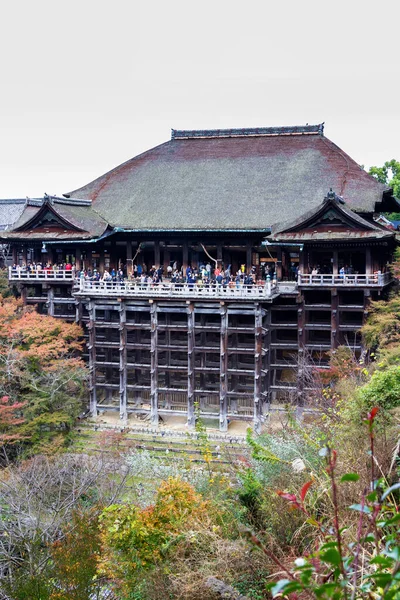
[[383, 390]]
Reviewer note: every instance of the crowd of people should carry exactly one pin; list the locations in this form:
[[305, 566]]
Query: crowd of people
[[203, 275]]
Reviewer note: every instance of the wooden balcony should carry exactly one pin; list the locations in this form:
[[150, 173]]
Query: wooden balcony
[[375, 280], [40, 275], [131, 289]]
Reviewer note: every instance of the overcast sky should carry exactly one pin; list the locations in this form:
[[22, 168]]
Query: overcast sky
[[86, 85]]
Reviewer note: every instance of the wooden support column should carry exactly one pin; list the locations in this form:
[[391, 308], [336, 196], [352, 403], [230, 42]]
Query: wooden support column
[[191, 419], [50, 301], [335, 264], [248, 257], [123, 412], [78, 254], [129, 262], [257, 368], [167, 257], [368, 261], [279, 264], [14, 255], [24, 254], [157, 256], [266, 362], [301, 320], [23, 292], [92, 358], [219, 255], [334, 319], [78, 312], [154, 363], [185, 256], [223, 386]]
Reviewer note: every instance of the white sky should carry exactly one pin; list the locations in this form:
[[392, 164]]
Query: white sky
[[86, 85]]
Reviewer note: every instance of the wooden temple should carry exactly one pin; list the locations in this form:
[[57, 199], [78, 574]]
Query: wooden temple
[[285, 204]]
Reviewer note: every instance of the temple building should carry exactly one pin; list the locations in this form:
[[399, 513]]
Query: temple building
[[285, 215]]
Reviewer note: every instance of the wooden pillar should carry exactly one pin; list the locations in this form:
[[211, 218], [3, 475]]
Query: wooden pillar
[[335, 265], [334, 319], [279, 264], [219, 255], [154, 363], [157, 256], [257, 368], [185, 256], [14, 255], [92, 358], [223, 387], [23, 292], [368, 261], [191, 365], [50, 301], [248, 257], [167, 258], [123, 412], [301, 335], [129, 262], [78, 312], [78, 254], [24, 254], [267, 361]]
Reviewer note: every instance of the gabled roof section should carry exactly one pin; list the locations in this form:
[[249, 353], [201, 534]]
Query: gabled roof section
[[57, 218], [331, 220], [231, 179], [10, 211]]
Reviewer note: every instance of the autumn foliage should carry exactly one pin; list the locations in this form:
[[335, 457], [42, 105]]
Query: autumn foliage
[[42, 377]]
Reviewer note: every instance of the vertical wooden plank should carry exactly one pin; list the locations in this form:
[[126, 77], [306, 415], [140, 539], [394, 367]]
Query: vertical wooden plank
[[154, 363], [92, 358], [257, 367], [223, 387], [279, 264], [123, 412], [191, 364], [267, 360]]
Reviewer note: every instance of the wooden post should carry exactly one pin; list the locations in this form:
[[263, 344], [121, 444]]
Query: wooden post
[[335, 265], [248, 257], [257, 368], [191, 365], [92, 358], [157, 254], [267, 361], [223, 388], [14, 255], [50, 301], [368, 261], [185, 256], [279, 264], [301, 333], [123, 412], [154, 363], [219, 255], [166, 261], [129, 262], [78, 254], [334, 319]]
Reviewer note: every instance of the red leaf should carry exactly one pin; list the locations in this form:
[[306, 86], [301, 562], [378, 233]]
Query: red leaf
[[304, 490], [372, 414], [287, 496]]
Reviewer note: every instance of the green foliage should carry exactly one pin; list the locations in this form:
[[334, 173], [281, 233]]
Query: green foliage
[[389, 174], [383, 390]]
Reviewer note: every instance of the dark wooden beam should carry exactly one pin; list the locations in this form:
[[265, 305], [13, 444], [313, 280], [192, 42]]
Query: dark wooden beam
[[154, 363], [191, 364], [223, 389]]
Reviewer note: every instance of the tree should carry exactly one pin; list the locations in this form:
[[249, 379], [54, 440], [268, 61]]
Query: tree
[[389, 174], [41, 373]]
